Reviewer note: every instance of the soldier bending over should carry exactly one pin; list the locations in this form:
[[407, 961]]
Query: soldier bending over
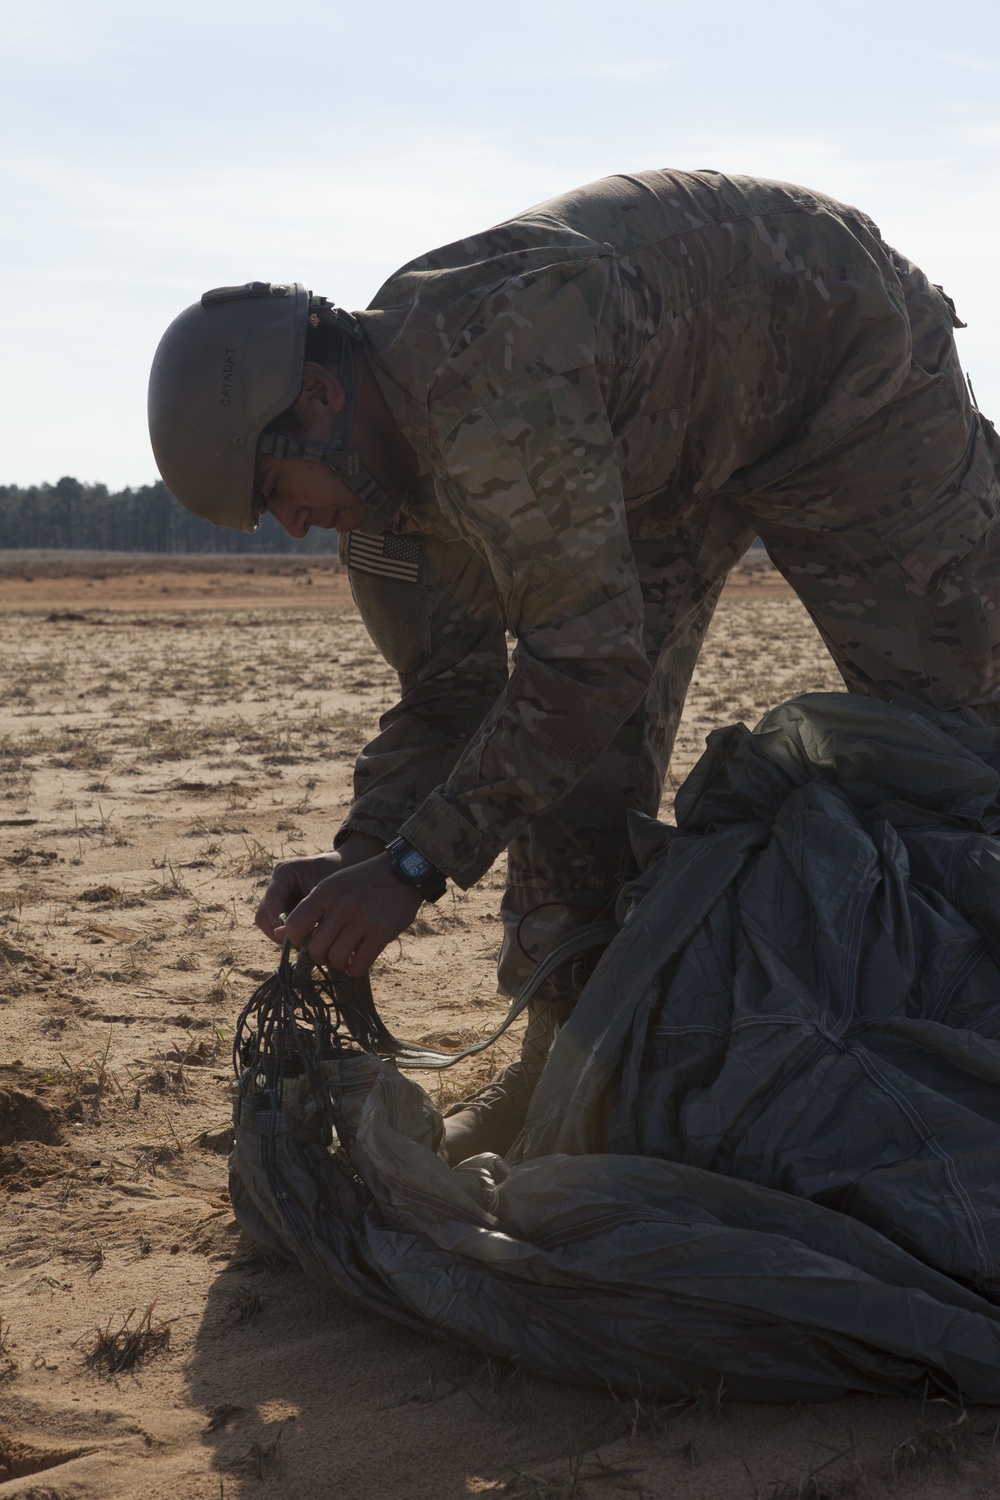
[[570, 427]]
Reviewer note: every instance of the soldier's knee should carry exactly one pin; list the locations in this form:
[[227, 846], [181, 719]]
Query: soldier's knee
[[533, 922]]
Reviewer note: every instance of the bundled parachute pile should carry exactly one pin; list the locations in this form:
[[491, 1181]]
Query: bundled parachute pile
[[766, 1146]]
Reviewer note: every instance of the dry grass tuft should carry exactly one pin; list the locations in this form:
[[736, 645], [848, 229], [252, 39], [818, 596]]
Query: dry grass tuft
[[255, 860], [169, 884], [243, 1307], [222, 1415], [648, 1415], [265, 1458], [929, 1443], [102, 895], [130, 1344], [583, 1465]]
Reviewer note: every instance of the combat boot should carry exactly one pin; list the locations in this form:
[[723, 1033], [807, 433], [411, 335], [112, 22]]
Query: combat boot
[[492, 1118]]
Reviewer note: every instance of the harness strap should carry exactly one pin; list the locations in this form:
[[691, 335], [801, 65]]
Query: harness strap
[[336, 455]]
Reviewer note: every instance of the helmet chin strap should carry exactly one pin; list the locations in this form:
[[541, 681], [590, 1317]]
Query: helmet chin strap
[[335, 454]]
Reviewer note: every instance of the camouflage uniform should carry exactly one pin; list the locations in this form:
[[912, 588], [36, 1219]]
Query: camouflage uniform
[[609, 396]]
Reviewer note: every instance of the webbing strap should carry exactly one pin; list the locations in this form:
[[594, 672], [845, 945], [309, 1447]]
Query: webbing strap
[[379, 509], [284, 445]]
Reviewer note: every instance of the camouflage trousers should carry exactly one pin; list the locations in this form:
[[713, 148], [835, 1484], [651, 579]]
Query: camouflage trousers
[[891, 539]]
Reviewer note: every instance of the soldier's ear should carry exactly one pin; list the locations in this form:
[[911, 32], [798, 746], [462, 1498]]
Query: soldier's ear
[[321, 392]]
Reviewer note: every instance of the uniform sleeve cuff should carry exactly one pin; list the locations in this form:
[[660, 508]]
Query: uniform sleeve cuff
[[376, 828], [448, 841]]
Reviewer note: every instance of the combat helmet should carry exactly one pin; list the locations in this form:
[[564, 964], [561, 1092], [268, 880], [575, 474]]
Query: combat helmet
[[224, 369]]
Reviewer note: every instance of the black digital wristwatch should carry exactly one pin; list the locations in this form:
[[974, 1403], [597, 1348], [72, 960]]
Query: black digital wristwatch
[[415, 869]]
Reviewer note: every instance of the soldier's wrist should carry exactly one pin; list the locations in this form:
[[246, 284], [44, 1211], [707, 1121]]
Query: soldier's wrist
[[415, 869], [357, 847]]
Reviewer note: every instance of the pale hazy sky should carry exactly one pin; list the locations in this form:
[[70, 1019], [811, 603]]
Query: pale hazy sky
[[151, 151]]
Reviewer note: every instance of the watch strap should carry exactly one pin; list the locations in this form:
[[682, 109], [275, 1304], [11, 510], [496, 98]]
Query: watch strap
[[431, 886]]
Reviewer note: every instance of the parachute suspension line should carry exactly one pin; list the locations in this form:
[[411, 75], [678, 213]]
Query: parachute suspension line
[[305, 1015]]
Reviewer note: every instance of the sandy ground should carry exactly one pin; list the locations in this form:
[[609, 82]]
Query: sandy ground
[[166, 733]]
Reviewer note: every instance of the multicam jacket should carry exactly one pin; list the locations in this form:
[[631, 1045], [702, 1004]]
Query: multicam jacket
[[569, 380]]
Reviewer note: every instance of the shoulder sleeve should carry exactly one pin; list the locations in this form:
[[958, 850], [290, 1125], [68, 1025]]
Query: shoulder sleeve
[[532, 480]]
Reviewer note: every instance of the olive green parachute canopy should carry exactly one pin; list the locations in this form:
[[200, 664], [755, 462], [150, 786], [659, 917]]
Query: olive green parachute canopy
[[225, 368], [763, 1149]]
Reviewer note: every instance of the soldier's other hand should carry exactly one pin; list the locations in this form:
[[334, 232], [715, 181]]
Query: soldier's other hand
[[349, 917], [295, 878]]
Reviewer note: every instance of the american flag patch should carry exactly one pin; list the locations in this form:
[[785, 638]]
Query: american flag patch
[[385, 555]]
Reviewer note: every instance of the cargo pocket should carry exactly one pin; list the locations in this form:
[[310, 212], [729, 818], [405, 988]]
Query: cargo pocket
[[948, 524]]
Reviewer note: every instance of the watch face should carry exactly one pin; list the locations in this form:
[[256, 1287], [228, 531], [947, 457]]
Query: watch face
[[414, 865]]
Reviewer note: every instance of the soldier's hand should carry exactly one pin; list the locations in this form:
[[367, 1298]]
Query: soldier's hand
[[351, 914], [295, 878]]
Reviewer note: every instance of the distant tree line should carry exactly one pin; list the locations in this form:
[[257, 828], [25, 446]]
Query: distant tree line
[[92, 518]]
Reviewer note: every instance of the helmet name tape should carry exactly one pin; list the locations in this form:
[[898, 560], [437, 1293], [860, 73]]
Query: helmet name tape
[[228, 366]]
